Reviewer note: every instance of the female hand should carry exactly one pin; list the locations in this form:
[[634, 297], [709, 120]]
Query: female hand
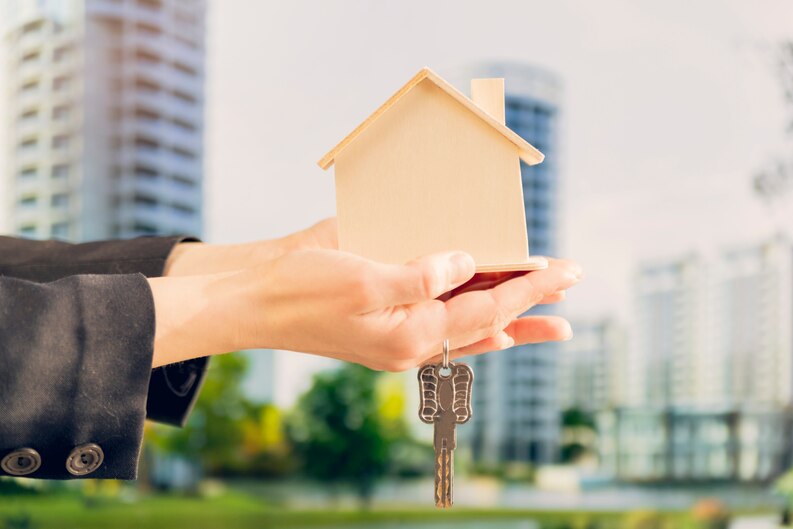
[[339, 305]]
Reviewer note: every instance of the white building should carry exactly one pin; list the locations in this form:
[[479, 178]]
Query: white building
[[750, 351], [104, 117], [665, 357], [592, 367]]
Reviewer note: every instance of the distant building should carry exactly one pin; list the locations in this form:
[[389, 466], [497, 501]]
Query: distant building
[[517, 413], [591, 367], [665, 357], [105, 120], [651, 444], [750, 349]]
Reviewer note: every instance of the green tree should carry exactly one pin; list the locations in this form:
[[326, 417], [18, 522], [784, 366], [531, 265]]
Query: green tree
[[343, 430]]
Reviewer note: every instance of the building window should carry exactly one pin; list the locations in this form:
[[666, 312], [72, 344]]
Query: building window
[[28, 172], [33, 56], [184, 97], [29, 144], [29, 87], [145, 172], [60, 171], [29, 116], [145, 201], [60, 200], [60, 142], [27, 230], [60, 113], [145, 228], [29, 201], [32, 27], [60, 84], [183, 209], [185, 69], [146, 57], [184, 181], [60, 230], [184, 153], [60, 54], [184, 125]]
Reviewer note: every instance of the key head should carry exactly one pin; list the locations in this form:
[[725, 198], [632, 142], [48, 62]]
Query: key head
[[442, 392]]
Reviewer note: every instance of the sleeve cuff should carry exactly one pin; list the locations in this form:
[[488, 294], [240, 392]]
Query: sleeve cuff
[[81, 365]]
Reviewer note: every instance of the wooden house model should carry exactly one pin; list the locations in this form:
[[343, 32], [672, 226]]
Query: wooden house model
[[432, 170]]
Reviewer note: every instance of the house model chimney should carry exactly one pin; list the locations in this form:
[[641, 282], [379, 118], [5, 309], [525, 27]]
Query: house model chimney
[[488, 94]]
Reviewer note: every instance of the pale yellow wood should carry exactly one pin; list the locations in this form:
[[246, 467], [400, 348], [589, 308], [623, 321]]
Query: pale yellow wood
[[488, 94], [526, 151], [534, 263], [430, 176]]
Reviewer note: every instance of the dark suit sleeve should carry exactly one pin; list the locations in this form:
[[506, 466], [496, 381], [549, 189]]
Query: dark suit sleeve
[[76, 359], [172, 389]]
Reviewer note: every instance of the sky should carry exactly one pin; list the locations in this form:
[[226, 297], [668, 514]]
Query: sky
[[668, 109]]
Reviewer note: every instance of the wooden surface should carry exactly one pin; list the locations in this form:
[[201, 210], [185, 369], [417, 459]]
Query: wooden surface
[[533, 263], [430, 176], [488, 94], [526, 151]]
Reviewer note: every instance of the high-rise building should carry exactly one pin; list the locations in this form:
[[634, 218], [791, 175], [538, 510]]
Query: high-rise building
[[592, 367], [665, 357], [104, 117], [516, 414], [749, 336]]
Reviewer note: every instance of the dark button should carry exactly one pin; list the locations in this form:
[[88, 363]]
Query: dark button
[[85, 459], [21, 462]]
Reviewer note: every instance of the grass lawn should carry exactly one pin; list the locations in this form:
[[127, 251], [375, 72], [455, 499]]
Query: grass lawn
[[233, 510]]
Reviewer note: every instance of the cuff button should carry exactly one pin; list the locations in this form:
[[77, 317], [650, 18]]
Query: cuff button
[[85, 459], [21, 462]]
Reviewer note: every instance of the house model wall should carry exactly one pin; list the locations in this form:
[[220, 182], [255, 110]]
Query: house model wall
[[432, 171]]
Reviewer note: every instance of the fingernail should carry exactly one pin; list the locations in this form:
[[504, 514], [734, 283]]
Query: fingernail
[[463, 266], [510, 341]]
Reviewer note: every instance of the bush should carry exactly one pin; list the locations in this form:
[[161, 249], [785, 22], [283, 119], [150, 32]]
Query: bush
[[710, 514]]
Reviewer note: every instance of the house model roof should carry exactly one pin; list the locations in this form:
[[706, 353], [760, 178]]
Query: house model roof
[[526, 151]]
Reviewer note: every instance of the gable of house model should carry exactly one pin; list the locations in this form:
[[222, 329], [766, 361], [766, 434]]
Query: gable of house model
[[527, 152]]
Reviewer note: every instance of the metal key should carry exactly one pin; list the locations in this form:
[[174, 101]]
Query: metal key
[[445, 402]]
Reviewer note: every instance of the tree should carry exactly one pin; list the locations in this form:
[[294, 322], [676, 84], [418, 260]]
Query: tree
[[216, 429], [340, 431]]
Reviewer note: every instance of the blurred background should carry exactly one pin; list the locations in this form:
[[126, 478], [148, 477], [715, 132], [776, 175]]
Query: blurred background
[[668, 134]]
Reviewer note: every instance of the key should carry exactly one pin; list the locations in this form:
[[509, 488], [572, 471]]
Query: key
[[445, 402]]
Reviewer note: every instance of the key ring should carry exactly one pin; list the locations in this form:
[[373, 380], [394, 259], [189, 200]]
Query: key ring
[[446, 354]]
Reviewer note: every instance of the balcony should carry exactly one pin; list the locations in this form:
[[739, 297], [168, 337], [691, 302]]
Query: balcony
[[153, 101], [29, 98], [31, 40], [30, 127], [30, 70]]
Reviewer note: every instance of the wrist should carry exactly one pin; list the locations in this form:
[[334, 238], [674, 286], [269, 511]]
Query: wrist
[[197, 316], [195, 258]]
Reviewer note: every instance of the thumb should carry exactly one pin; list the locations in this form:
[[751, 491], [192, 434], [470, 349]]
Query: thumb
[[427, 277]]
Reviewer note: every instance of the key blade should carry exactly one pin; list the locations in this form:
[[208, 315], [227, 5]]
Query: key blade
[[444, 476]]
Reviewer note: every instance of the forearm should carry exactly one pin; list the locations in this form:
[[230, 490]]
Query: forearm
[[198, 316], [196, 258]]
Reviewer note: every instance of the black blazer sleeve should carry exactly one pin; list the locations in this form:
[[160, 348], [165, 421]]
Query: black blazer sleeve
[[76, 381]]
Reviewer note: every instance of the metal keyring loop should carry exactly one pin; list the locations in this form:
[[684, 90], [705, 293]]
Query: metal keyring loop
[[445, 354]]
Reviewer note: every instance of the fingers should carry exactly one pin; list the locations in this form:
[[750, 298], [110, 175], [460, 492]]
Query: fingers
[[478, 315], [422, 279], [527, 330]]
